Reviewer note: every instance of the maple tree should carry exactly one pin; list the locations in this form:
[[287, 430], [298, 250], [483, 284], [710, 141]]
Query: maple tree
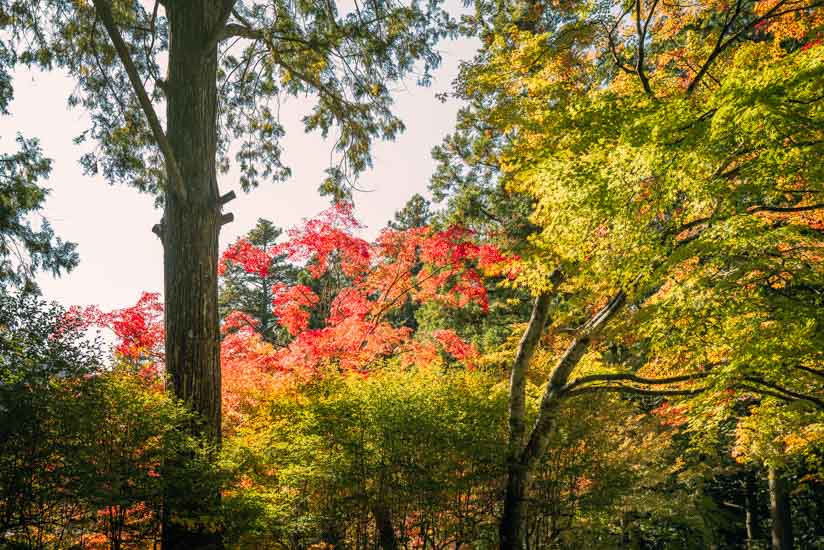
[[676, 220], [246, 282], [353, 325]]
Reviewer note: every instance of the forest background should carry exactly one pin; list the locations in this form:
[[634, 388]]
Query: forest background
[[605, 332]]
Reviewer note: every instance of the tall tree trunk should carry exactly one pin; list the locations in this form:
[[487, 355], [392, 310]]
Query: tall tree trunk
[[191, 224], [782, 533]]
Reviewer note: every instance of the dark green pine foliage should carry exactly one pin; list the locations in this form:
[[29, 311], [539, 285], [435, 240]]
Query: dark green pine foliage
[[417, 212], [251, 293], [24, 248]]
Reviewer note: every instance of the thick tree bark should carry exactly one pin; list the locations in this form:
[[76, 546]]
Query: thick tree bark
[[782, 534], [191, 224]]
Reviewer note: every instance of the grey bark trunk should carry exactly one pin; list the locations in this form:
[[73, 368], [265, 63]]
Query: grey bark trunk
[[510, 528], [782, 534], [190, 243]]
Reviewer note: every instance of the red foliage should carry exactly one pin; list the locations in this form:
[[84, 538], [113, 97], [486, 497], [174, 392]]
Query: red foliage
[[670, 415], [456, 347], [417, 264], [291, 304], [138, 330], [251, 258], [329, 234], [247, 365]]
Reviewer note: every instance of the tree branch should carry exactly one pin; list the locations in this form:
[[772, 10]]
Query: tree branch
[[720, 46], [176, 180], [641, 31], [616, 377], [634, 390], [217, 32], [795, 395], [234, 30], [517, 381], [544, 423], [768, 208]]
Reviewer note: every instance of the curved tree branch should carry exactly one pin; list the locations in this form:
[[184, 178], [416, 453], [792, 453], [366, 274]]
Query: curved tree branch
[[107, 18], [585, 381]]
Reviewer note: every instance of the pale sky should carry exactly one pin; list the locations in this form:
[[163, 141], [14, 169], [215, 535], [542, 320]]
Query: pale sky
[[120, 257]]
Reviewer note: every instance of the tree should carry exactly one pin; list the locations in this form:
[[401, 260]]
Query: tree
[[25, 250], [351, 324], [42, 360], [82, 443], [226, 63], [415, 213], [248, 270], [670, 168]]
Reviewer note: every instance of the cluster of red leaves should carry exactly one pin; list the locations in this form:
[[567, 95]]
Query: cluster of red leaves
[[247, 367], [670, 415], [417, 264], [138, 329], [455, 346], [251, 258], [291, 304], [329, 234]]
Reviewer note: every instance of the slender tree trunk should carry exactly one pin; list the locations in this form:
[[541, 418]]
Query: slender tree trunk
[[750, 510], [383, 524], [782, 534], [190, 241], [510, 530]]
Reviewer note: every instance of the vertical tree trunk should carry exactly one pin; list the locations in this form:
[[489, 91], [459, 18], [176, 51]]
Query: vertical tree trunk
[[510, 530], [511, 527], [190, 241], [750, 510], [782, 535], [383, 524]]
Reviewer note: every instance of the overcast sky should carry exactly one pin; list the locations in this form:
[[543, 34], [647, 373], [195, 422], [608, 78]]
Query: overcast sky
[[120, 257]]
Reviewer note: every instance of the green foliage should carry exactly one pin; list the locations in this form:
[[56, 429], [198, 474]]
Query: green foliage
[[321, 459], [251, 293], [24, 249], [84, 450], [269, 52]]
